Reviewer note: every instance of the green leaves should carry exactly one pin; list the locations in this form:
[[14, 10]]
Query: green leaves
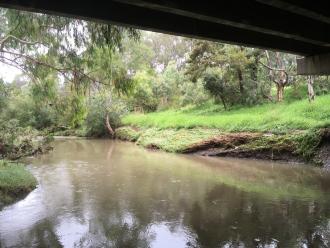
[[41, 44]]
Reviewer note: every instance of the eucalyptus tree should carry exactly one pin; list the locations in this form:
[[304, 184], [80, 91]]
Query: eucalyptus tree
[[38, 44], [50, 49], [4, 92], [167, 48], [237, 72], [280, 66]]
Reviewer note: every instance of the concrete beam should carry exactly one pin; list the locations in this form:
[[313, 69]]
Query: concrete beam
[[300, 27], [263, 19], [198, 21], [317, 10], [314, 65]]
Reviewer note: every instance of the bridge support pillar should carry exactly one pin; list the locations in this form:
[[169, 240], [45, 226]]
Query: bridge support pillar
[[314, 65]]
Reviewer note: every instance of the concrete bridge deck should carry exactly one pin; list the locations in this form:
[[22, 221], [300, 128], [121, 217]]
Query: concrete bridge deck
[[299, 27]]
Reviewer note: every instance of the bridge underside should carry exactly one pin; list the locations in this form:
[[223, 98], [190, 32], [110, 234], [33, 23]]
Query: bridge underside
[[299, 27]]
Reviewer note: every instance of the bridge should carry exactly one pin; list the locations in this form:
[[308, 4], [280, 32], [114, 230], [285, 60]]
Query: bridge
[[299, 27]]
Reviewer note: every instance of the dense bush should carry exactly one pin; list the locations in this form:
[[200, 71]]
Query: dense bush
[[228, 92], [142, 96], [98, 107], [16, 141], [192, 93]]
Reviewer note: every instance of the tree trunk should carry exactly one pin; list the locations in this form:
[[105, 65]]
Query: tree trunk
[[280, 92], [240, 81], [107, 123], [223, 102], [311, 94]]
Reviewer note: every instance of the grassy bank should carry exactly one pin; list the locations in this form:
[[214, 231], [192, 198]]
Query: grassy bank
[[286, 131], [15, 181], [275, 118], [295, 146]]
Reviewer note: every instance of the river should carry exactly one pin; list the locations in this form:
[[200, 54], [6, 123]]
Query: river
[[102, 193]]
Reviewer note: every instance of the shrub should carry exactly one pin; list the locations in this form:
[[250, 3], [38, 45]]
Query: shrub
[[98, 108]]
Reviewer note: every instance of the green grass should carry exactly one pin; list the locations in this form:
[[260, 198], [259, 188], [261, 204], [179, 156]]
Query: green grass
[[170, 140], [276, 117], [15, 181]]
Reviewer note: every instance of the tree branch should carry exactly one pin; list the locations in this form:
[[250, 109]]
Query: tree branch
[[62, 71], [271, 68], [19, 40]]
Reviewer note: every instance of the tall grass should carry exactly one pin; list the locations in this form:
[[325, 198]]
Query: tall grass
[[15, 179], [276, 117]]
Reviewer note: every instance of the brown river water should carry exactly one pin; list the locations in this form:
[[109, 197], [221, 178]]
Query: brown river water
[[102, 193]]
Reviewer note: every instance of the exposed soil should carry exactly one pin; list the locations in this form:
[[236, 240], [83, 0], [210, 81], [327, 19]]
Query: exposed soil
[[237, 145], [324, 155], [266, 154], [225, 142], [280, 147]]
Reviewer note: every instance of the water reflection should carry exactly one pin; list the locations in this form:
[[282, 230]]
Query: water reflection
[[99, 193]]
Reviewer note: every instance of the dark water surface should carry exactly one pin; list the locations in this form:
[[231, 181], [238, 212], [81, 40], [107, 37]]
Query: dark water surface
[[101, 193]]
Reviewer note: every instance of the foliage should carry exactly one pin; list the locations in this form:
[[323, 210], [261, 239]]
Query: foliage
[[166, 49], [40, 44], [192, 93], [142, 95], [218, 87], [97, 111], [16, 141], [28, 111], [166, 87], [3, 95], [231, 73]]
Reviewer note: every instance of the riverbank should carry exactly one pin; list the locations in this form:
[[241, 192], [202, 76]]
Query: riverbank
[[296, 131], [17, 142], [299, 146], [15, 182]]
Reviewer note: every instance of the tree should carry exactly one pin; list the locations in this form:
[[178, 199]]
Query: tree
[[51, 48], [216, 86], [237, 68], [279, 65], [310, 88], [167, 48], [40, 44], [166, 87], [104, 107], [4, 92], [142, 96]]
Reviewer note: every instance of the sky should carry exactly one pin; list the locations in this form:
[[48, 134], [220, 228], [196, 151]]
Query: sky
[[8, 73]]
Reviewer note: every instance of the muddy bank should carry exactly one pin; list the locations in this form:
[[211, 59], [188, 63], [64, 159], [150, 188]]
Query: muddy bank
[[323, 153], [299, 146]]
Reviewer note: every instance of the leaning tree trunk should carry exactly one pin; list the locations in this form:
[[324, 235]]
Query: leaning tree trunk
[[311, 94], [222, 99], [280, 92], [107, 123]]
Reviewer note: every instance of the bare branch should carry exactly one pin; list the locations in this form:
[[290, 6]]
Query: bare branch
[[14, 63], [271, 68], [19, 40]]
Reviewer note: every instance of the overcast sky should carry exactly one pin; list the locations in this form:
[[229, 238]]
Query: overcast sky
[[8, 73]]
